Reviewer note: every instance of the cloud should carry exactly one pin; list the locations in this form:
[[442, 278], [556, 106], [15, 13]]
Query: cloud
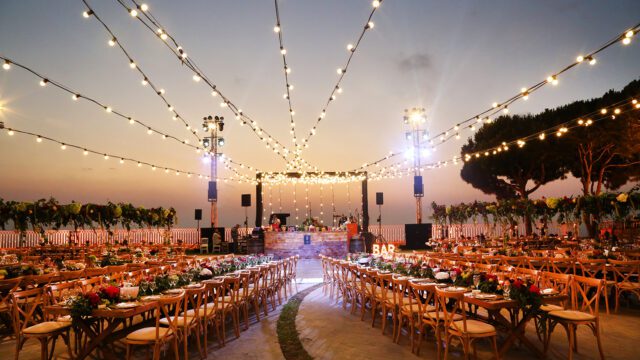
[[417, 61]]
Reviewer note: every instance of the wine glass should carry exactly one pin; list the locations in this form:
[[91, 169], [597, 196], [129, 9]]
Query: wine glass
[[453, 275], [506, 291], [476, 281]]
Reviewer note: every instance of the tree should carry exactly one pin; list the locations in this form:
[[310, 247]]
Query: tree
[[504, 171]]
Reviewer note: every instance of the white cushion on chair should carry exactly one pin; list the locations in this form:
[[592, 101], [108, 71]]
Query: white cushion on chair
[[179, 322], [147, 334], [46, 327], [572, 315], [551, 307], [473, 327]]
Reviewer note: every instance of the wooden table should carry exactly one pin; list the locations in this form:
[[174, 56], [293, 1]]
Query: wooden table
[[113, 318], [515, 327]]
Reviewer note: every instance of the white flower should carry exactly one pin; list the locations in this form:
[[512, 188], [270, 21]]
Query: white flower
[[622, 197], [436, 270], [205, 272], [442, 276]]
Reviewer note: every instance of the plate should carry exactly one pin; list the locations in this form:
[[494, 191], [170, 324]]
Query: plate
[[422, 281], [486, 296], [549, 291], [125, 305], [150, 298]]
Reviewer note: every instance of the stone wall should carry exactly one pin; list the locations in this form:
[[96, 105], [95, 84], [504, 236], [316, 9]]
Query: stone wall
[[284, 244]]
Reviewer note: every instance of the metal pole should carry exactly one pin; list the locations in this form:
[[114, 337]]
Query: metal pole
[[214, 174]]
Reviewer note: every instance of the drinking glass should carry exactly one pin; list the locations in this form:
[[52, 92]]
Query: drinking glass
[[476, 281], [453, 275], [507, 291]]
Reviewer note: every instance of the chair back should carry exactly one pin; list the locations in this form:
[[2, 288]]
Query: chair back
[[561, 266], [194, 298], [230, 291], [593, 268], [71, 275], [7, 287], [399, 287], [169, 308], [91, 284], [449, 309], [25, 305], [58, 293], [625, 272], [421, 296], [586, 294], [91, 272]]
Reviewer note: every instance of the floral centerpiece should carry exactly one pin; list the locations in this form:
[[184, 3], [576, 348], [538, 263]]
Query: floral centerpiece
[[525, 292], [489, 284]]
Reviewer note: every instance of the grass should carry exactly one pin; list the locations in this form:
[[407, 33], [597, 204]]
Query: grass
[[288, 335]]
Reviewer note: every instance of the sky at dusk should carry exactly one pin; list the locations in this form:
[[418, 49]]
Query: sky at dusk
[[453, 58]]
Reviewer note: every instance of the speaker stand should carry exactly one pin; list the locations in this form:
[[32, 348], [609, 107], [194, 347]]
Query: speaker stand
[[380, 238]]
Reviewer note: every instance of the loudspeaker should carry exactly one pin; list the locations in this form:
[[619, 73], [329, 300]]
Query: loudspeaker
[[418, 188], [246, 200], [379, 198], [416, 235], [198, 214], [213, 191]]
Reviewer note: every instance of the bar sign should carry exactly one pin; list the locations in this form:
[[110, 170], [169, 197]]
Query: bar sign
[[307, 239]]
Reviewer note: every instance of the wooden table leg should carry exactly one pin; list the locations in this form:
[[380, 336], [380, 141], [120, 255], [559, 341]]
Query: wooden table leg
[[96, 339]]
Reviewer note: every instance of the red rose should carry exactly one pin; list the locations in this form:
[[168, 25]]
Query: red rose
[[534, 289], [458, 271], [517, 283], [111, 292], [93, 298]]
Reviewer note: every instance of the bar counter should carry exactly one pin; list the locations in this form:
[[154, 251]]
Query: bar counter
[[309, 245]]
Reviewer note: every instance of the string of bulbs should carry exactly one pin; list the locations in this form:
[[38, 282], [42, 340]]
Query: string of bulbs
[[609, 112], [153, 25], [122, 159], [286, 71], [486, 116], [76, 95], [160, 92], [337, 89]]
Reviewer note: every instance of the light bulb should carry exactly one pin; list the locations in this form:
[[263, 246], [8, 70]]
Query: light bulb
[[628, 34], [283, 51], [287, 70], [592, 61], [375, 3], [75, 96], [87, 13], [132, 64], [161, 91], [112, 42], [133, 12], [196, 78], [144, 82], [106, 157], [214, 93], [10, 132], [149, 131], [580, 58], [39, 139], [370, 25], [44, 82], [339, 90], [6, 65], [85, 152], [350, 47], [170, 108], [139, 164], [131, 121], [144, 7], [340, 71], [626, 41], [108, 109], [163, 36], [495, 105], [63, 147], [276, 29]]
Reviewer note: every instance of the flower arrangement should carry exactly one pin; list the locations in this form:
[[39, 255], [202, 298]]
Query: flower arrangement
[[489, 284], [463, 278], [74, 266], [525, 292]]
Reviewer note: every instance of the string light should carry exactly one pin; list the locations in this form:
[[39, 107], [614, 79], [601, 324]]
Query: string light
[[351, 48], [75, 95], [553, 79], [153, 25], [6, 65], [132, 64]]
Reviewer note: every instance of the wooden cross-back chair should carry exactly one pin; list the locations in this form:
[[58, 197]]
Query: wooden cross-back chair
[[626, 277], [29, 321]]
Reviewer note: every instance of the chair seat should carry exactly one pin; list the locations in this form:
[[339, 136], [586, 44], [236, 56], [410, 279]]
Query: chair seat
[[180, 321], [551, 307], [414, 308], [572, 315], [440, 315], [210, 310], [46, 327], [473, 327], [148, 334]]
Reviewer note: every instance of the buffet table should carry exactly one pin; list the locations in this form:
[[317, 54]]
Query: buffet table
[[308, 245]]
